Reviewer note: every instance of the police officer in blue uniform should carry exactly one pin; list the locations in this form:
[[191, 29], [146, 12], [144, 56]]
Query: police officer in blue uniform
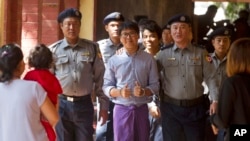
[[221, 40], [183, 69], [78, 66], [166, 36], [108, 47]]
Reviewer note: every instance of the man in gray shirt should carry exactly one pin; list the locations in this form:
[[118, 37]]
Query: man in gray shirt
[[221, 40], [78, 67], [183, 68], [108, 47]]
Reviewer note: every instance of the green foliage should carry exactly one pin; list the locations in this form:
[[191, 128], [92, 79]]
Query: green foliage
[[231, 9]]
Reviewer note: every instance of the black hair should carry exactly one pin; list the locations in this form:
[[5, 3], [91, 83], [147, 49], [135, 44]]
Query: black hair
[[128, 25], [10, 56], [40, 57], [152, 26]]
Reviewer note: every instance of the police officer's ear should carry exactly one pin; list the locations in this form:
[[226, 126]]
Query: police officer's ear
[[61, 25], [106, 27], [213, 41]]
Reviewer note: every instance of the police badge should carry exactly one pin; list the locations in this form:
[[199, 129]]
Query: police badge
[[209, 58]]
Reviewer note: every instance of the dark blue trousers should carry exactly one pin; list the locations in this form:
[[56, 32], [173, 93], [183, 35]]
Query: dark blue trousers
[[76, 120], [183, 123]]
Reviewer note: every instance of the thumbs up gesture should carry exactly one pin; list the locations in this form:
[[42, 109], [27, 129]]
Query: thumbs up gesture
[[125, 92], [138, 90]]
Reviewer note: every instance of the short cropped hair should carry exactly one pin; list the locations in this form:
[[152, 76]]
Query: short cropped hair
[[40, 57], [152, 26], [128, 25]]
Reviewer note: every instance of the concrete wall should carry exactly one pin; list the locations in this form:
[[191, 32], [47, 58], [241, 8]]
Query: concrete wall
[[87, 28]]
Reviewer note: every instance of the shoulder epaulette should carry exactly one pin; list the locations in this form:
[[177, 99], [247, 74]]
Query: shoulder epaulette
[[53, 46], [167, 46]]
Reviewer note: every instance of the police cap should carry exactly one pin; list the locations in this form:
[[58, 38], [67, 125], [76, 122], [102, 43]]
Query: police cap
[[221, 31], [70, 12], [179, 18], [167, 26], [115, 16]]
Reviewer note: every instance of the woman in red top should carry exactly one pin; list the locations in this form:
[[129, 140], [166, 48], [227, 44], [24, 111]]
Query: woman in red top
[[40, 60]]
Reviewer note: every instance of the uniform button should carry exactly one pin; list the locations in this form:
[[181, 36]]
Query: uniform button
[[183, 75]]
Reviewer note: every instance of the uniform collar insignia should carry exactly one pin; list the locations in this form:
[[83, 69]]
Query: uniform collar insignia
[[209, 58]]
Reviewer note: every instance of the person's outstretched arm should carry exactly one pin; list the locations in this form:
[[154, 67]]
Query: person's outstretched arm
[[49, 111]]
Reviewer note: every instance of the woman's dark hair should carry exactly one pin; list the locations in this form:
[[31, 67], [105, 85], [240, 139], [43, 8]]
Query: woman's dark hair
[[128, 25], [10, 56], [40, 57]]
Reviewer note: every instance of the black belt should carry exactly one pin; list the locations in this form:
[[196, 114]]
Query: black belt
[[74, 98], [184, 103]]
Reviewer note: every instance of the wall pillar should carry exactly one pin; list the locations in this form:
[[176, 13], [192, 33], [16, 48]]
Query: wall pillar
[[12, 21]]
